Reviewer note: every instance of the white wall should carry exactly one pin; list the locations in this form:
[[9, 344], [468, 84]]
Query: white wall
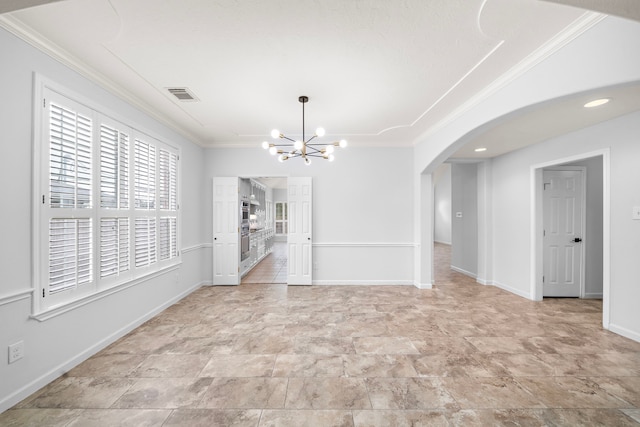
[[604, 55], [512, 212], [442, 204], [362, 209], [54, 346]]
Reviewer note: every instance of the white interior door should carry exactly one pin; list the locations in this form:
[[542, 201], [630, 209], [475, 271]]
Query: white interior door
[[299, 238], [563, 206], [226, 231]]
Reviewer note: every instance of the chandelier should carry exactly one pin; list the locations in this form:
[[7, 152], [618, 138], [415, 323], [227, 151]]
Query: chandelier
[[303, 148]]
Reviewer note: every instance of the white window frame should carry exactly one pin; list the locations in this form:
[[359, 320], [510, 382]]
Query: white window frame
[[284, 221], [47, 304]]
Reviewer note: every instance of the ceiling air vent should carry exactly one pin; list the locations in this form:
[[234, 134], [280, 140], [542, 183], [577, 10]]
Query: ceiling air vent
[[182, 93]]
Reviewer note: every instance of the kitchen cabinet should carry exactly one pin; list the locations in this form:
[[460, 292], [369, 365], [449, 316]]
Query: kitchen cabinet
[[260, 222]]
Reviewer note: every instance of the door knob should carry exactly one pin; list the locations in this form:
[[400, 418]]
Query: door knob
[[577, 240]]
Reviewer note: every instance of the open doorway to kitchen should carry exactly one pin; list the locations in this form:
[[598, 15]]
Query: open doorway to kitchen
[[268, 235]]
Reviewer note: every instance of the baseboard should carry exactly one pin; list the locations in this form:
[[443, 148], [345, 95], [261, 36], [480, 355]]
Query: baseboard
[[56, 372], [465, 272], [423, 285], [593, 295], [508, 288], [364, 282], [627, 333]]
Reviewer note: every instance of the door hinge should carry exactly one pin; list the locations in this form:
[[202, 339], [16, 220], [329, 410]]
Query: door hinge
[[44, 103], [542, 279], [544, 233], [43, 199], [43, 293]]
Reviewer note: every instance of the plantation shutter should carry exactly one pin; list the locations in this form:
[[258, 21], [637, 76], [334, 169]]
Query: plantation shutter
[[114, 168], [70, 253], [168, 171], [70, 136], [145, 241], [114, 246], [168, 238], [145, 175], [70, 233]]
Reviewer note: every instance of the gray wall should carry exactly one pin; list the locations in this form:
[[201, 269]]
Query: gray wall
[[592, 240], [55, 345], [464, 230], [362, 209], [442, 204]]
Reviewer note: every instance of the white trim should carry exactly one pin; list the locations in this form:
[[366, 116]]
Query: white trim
[[364, 282], [442, 243], [536, 262], [72, 305], [64, 367], [624, 332], [508, 288], [576, 29], [423, 285], [41, 43], [16, 296], [197, 247], [364, 245], [593, 295], [465, 272]]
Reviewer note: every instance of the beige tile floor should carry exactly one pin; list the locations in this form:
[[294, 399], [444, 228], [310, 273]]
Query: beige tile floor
[[272, 269], [461, 354]]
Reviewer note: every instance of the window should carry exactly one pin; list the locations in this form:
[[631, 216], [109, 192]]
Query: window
[[281, 218], [108, 196]]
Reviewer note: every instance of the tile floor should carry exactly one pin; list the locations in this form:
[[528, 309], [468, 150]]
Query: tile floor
[[272, 269], [461, 354]]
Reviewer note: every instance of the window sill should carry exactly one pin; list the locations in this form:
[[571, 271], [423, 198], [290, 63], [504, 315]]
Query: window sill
[[66, 307]]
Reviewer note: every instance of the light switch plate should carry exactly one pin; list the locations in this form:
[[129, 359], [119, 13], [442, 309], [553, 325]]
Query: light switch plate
[[636, 212], [458, 214]]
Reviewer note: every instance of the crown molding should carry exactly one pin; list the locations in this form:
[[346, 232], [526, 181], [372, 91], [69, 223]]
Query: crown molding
[[41, 43], [569, 34]]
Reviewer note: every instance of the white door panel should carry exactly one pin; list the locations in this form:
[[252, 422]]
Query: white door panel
[[226, 234], [300, 239], [563, 204]]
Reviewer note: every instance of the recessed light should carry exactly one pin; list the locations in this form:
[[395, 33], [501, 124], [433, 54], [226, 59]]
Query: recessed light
[[596, 102], [481, 149]]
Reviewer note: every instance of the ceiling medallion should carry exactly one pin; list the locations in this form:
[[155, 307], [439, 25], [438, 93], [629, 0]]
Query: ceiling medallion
[[302, 148]]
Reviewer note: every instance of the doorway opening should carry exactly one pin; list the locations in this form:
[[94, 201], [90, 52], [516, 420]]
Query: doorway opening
[[595, 241], [272, 268]]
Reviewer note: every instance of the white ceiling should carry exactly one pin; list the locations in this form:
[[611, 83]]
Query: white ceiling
[[378, 73]]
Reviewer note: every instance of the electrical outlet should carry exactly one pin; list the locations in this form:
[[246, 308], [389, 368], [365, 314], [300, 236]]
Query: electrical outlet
[[16, 351]]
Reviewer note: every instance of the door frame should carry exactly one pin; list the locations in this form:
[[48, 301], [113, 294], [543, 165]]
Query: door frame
[[536, 261], [583, 221]]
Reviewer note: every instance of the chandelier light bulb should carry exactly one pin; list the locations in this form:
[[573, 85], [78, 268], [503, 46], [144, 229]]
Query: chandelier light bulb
[[306, 147]]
